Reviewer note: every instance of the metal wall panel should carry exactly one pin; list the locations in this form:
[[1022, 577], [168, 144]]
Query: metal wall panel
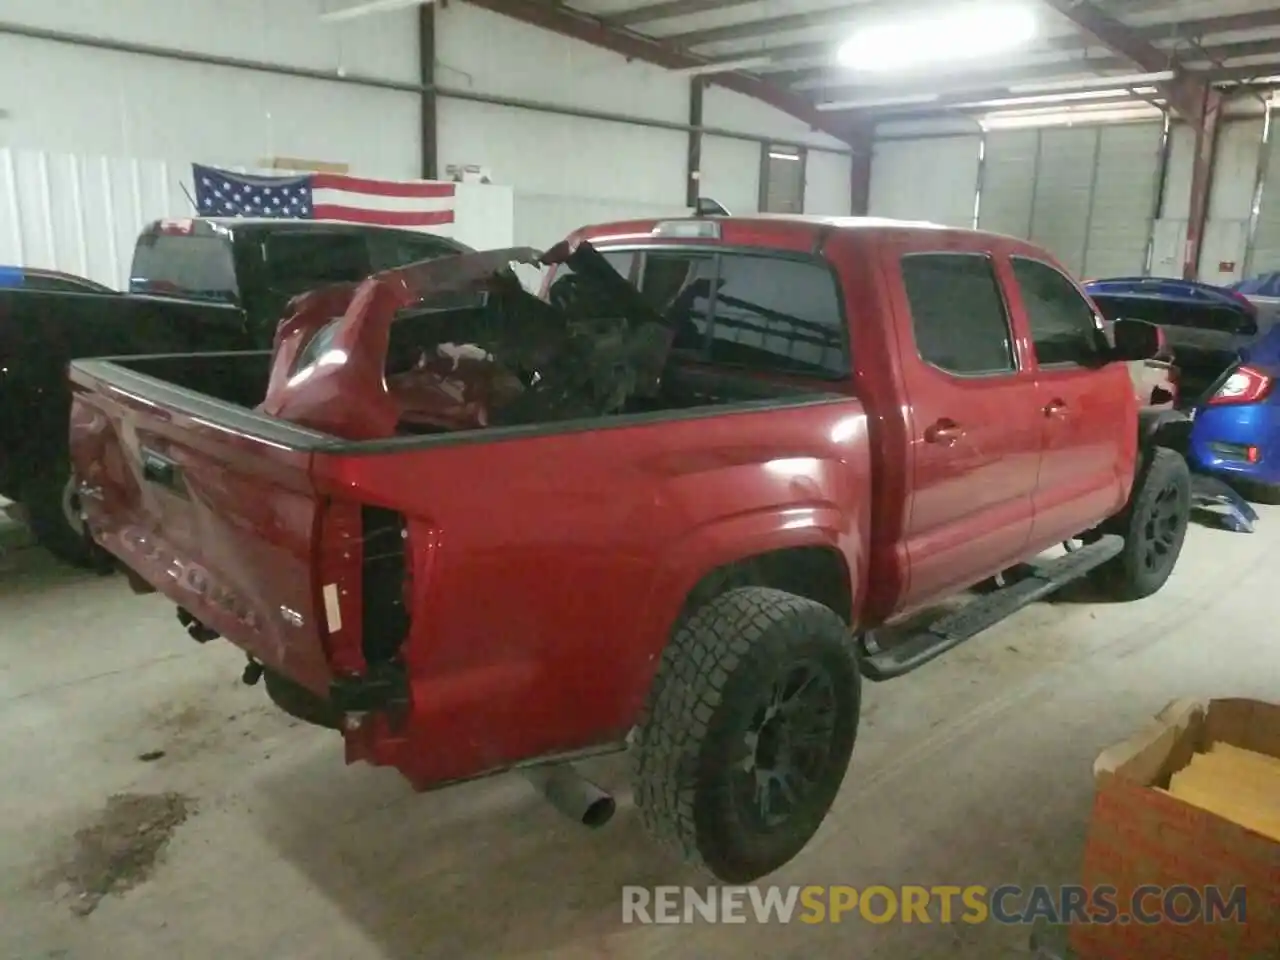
[[1265, 253], [82, 214], [934, 179], [1087, 194], [828, 188], [1009, 181], [1124, 199], [1064, 189], [1223, 254]]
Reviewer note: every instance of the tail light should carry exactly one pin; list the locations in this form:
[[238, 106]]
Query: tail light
[[1246, 385]]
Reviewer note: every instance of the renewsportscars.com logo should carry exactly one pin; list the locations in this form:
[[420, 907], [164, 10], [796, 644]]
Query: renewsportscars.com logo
[[974, 904]]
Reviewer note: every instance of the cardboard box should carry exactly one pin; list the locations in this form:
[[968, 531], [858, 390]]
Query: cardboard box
[[1141, 836]]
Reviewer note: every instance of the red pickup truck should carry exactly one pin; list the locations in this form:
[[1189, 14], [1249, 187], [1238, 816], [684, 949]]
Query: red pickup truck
[[670, 506]]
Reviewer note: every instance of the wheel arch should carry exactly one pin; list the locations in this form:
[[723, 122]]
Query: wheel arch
[[823, 560]]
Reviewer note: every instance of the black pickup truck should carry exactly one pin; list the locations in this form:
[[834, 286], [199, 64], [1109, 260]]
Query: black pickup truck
[[196, 285]]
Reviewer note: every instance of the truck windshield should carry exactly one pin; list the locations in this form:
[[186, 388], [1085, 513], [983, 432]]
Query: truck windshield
[[188, 265]]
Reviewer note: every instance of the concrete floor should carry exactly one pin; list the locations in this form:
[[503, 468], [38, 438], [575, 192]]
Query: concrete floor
[[976, 769]]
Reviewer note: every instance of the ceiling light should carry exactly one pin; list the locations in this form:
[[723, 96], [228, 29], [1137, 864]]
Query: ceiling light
[[724, 66], [867, 102], [1080, 83], [1049, 98], [1066, 116], [373, 6], [957, 35]]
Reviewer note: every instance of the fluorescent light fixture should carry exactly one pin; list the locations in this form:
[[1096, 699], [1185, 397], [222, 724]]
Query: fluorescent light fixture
[[783, 156], [372, 6], [868, 102], [1051, 98], [1024, 119], [1081, 83], [725, 66], [959, 34]]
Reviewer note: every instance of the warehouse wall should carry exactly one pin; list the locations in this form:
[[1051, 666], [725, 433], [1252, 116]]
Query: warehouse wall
[[1224, 254], [1085, 193], [71, 99], [567, 171], [97, 116], [81, 213]]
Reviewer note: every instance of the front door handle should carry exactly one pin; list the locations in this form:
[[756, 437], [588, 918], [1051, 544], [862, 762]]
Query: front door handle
[[1055, 408], [943, 431]]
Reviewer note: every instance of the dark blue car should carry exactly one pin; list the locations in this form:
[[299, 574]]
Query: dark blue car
[[1236, 429], [28, 278], [1228, 357]]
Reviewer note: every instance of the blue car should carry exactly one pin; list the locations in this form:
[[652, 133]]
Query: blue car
[[1235, 432], [28, 278]]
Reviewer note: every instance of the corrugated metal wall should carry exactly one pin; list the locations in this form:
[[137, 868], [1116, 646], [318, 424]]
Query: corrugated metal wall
[[933, 179], [82, 214], [1224, 254], [1087, 194], [569, 171]]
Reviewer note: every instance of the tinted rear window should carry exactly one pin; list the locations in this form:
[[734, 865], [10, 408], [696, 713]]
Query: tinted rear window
[[775, 314], [197, 266]]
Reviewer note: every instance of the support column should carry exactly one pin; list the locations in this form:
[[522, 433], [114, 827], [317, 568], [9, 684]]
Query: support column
[[860, 139], [693, 168], [427, 75], [1205, 122]]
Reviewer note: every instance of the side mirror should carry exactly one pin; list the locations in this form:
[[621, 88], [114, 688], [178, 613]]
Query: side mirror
[[1136, 340]]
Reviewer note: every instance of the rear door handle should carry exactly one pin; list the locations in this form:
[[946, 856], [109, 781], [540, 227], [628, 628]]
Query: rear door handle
[[944, 431], [1055, 408], [159, 470]]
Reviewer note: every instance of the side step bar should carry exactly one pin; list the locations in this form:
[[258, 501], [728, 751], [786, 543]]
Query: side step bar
[[984, 612]]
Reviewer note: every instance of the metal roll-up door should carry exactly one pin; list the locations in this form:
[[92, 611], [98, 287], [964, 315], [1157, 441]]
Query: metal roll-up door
[[933, 179], [1064, 190], [1126, 177], [1009, 182], [1264, 256]]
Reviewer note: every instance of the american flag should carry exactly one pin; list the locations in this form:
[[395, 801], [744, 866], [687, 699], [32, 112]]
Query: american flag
[[323, 196]]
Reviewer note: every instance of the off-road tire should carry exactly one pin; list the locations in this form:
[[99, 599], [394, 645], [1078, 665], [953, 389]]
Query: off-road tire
[[1159, 510], [45, 503], [725, 663]]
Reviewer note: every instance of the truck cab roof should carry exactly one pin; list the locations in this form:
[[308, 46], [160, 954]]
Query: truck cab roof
[[786, 231]]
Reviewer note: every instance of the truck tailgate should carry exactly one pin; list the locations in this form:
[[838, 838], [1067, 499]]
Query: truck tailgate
[[210, 504]]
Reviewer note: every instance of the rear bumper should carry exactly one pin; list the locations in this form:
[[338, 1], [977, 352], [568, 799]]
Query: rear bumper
[[1241, 442]]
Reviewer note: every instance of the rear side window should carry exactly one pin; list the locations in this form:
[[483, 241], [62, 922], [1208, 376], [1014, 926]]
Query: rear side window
[[958, 315], [1064, 328], [679, 284], [778, 315], [750, 311], [296, 262], [195, 266], [390, 250]]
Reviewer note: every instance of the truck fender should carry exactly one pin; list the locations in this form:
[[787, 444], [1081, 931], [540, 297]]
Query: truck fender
[[1163, 428], [719, 544]]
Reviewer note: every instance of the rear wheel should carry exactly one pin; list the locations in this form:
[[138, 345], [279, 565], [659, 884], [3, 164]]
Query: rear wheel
[[747, 731], [1154, 527], [53, 513]]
